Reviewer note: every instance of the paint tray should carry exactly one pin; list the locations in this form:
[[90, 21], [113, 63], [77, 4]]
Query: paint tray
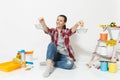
[[9, 66]]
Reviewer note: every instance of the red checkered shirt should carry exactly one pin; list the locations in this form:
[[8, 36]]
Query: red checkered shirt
[[66, 33]]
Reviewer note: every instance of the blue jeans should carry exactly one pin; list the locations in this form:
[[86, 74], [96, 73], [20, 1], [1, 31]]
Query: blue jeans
[[60, 60]]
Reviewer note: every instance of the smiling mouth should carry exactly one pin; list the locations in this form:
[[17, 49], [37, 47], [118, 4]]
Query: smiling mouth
[[58, 24]]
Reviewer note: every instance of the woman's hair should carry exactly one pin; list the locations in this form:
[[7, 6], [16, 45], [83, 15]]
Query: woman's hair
[[65, 20]]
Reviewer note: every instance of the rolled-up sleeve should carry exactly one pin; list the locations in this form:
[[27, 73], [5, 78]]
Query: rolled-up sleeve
[[69, 32], [50, 30]]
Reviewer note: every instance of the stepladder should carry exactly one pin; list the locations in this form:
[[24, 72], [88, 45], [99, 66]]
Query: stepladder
[[102, 53]]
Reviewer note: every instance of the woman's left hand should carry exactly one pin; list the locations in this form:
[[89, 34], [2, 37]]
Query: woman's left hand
[[80, 23]]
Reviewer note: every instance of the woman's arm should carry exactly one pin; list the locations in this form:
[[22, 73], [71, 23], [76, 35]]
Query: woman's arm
[[42, 22], [79, 23]]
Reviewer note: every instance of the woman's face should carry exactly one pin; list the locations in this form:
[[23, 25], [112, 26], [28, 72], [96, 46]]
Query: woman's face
[[60, 22]]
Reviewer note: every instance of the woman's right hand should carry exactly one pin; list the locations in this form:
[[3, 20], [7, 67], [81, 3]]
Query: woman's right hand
[[41, 20], [80, 23]]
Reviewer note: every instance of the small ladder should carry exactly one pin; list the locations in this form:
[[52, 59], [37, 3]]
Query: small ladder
[[114, 55]]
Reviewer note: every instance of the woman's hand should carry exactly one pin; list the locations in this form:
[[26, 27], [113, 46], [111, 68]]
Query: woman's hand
[[80, 23], [41, 20]]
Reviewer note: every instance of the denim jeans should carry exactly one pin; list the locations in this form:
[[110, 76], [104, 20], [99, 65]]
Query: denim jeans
[[61, 61]]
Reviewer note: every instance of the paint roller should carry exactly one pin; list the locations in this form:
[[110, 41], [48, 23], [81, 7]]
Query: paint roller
[[19, 61]]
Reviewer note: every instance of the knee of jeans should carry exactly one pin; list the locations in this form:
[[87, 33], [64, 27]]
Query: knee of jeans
[[69, 64], [51, 44]]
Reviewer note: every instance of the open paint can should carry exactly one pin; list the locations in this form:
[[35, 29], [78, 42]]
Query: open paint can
[[104, 65], [112, 67]]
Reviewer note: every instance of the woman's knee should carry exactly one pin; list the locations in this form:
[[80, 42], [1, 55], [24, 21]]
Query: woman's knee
[[51, 51], [69, 64], [52, 45]]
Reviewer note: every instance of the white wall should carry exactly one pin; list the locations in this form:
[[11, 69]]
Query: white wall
[[118, 7], [17, 19]]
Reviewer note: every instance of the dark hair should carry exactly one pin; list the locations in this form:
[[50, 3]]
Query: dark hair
[[65, 20]]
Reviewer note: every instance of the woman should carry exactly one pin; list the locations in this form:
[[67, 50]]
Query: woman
[[59, 52]]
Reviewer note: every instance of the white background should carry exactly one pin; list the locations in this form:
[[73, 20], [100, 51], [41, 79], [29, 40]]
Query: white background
[[17, 19]]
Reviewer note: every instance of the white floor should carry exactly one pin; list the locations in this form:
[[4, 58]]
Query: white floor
[[81, 72]]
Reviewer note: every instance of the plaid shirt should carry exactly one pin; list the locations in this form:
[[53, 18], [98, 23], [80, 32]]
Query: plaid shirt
[[66, 33]]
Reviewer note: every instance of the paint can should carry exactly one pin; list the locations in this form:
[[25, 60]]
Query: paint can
[[22, 52], [104, 36], [29, 57], [104, 65], [112, 67]]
